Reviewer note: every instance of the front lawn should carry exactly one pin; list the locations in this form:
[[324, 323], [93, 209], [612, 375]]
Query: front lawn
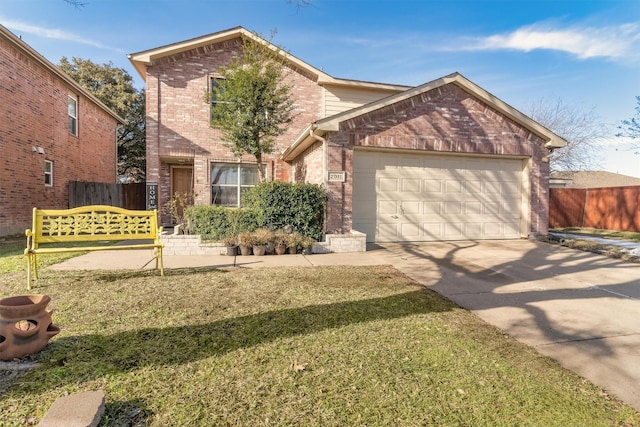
[[334, 346]]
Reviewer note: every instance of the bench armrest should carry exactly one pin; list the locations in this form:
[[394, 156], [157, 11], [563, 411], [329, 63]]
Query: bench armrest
[[29, 235]]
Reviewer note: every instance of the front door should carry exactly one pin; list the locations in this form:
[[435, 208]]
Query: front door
[[181, 191]]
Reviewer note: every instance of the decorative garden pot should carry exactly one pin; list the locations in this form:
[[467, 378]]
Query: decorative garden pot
[[307, 250], [25, 325], [292, 250], [259, 250], [280, 249], [245, 250], [232, 250]]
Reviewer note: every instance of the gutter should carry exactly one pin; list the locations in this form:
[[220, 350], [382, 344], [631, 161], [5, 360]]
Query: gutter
[[303, 142]]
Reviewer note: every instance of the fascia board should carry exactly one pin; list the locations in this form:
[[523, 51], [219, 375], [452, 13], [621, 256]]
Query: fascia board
[[552, 140], [141, 60]]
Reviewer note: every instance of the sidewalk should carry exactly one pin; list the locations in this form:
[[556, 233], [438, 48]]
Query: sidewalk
[[140, 259]]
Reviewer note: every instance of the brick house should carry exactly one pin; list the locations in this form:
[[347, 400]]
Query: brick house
[[442, 161], [52, 131]]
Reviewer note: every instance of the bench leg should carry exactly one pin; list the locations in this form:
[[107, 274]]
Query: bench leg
[[32, 269], [159, 260]]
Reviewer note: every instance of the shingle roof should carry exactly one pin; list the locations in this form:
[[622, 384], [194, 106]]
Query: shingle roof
[[594, 179]]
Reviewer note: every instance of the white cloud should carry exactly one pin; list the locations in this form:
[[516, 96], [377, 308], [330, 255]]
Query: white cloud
[[617, 42], [51, 33]]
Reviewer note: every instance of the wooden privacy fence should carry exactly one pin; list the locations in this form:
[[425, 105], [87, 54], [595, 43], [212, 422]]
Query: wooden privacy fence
[[127, 196], [611, 208]]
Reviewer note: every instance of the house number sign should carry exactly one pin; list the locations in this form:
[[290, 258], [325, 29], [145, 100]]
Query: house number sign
[[336, 176]]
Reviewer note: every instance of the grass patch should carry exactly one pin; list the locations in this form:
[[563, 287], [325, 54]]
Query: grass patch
[[605, 234], [587, 245], [289, 346], [12, 257]]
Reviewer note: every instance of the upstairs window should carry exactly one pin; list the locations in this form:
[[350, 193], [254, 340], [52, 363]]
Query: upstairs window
[[48, 173], [229, 181], [214, 83], [73, 115]]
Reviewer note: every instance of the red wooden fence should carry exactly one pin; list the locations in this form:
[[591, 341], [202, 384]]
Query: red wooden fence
[[611, 208]]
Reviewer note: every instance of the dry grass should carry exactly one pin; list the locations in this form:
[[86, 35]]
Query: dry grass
[[289, 346], [612, 251]]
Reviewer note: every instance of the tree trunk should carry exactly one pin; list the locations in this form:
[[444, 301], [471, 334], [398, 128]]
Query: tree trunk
[[260, 168]]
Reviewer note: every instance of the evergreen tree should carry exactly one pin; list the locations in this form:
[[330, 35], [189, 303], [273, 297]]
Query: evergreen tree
[[252, 103], [114, 87]]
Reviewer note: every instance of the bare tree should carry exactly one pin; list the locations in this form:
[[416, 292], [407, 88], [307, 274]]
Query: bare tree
[[630, 128], [584, 131], [76, 3]]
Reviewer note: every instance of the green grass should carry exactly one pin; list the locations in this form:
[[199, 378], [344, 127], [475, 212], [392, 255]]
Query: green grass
[[329, 346], [12, 257], [607, 234]]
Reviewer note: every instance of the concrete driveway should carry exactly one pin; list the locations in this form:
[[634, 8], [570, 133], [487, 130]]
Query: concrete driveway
[[579, 308]]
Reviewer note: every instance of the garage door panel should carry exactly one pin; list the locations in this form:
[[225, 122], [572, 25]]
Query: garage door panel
[[473, 229], [473, 208], [452, 207], [387, 232], [432, 186], [388, 184], [411, 185], [432, 230], [431, 208], [387, 207], [453, 230], [411, 207], [433, 197], [451, 186]]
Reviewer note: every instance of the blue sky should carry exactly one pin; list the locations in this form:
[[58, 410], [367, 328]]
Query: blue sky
[[585, 53]]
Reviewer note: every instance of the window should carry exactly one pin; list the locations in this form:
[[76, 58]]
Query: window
[[73, 115], [48, 173], [229, 181], [214, 82]]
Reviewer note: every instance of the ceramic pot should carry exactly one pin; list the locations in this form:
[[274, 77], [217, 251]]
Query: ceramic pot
[[25, 325]]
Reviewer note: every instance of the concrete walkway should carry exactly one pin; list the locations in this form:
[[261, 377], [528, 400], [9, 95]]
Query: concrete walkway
[[579, 308]]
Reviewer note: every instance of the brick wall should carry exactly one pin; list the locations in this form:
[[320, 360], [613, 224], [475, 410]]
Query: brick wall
[[446, 119], [33, 113], [178, 127]]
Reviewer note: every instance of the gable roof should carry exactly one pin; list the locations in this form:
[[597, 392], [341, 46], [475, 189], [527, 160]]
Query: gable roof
[[332, 123], [46, 64], [594, 179], [142, 60]]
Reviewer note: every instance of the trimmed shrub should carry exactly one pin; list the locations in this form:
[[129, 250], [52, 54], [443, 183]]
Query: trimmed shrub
[[296, 207], [284, 205], [218, 222]]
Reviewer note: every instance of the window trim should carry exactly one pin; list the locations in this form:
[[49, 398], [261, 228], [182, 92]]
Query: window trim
[[48, 173], [71, 117]]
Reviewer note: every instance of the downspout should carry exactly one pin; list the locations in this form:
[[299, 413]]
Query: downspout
[[324, 168]]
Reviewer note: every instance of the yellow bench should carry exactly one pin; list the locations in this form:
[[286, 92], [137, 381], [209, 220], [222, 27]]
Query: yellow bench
[[91, 224]]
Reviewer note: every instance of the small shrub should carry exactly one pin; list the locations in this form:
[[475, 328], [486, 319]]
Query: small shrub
[[263, 236], [246, 239], [281, 238]]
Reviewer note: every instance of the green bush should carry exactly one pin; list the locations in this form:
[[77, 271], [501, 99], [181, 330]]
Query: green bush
[[217, 222], [271, 205], [296, 205]]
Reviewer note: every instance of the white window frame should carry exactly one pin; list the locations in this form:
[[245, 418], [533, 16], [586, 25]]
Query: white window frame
[[48, 173], [238, 186], [73, 118]]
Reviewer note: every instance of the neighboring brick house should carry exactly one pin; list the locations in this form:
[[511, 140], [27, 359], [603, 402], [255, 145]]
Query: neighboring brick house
[[52, 131], [442, 161]]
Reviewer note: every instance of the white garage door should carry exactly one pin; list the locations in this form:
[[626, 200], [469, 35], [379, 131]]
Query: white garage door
[[421, 197]]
